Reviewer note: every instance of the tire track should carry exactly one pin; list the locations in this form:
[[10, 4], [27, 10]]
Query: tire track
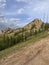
[[28, 53]]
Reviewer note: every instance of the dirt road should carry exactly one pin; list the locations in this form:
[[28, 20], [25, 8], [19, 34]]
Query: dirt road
[[33, 54]]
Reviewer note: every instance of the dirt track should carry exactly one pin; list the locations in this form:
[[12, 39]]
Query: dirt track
[[33, 54]]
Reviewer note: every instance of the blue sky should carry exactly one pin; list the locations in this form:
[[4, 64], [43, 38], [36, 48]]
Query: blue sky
[[21, 12]]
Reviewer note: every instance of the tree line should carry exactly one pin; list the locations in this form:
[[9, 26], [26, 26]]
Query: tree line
[[8, 41]]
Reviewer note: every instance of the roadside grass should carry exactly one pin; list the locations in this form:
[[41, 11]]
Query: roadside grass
[[18, 47]]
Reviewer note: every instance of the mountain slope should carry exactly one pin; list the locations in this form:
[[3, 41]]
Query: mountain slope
[[34, 25], [32, 54], [36, 22]]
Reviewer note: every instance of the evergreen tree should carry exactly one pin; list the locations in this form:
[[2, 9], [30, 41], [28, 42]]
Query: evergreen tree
[[46, 26]]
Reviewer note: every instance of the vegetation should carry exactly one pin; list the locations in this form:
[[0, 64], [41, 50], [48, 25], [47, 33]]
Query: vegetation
[[20, 46], [7, 41]]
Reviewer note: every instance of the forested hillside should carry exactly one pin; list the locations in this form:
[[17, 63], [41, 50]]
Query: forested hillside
[[11, 37]]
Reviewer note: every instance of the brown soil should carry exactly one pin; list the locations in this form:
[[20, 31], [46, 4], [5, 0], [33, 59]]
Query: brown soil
[[33, 54]]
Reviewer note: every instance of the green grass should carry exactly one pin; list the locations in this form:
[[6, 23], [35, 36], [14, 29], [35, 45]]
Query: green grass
[[15, 48]]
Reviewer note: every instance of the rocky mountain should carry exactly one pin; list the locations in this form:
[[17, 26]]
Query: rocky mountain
[[36, 22], [35, 25]]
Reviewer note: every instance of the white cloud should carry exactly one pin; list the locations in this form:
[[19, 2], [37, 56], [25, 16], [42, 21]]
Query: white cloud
[[15, 19], [26, 1], [42, 7], [4, 20], [2, 0], [21, 0], [43, 0], [38, 9], [20, 11], [11, 20], [2, 3], [14, 22]]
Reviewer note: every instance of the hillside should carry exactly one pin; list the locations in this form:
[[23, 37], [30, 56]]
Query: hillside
[[27, 42], [10, 37], [36, 23], [35, 53]]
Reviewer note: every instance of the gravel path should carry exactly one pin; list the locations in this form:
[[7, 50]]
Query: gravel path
[[33, 54]]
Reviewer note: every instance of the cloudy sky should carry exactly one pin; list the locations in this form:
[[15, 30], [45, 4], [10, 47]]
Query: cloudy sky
[[21, 12]]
